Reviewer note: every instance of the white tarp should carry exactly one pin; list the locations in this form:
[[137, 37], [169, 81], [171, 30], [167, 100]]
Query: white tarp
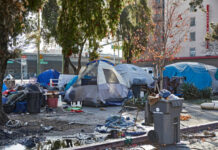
[[131, 72], [64, 79]]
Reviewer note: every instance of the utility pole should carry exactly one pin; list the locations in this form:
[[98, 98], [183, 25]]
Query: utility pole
[[38, 43]]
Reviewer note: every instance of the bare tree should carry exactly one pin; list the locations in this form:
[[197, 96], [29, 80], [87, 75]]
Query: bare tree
[[166, 40]]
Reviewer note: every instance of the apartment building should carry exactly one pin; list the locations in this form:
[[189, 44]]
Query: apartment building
[[196, 45], [199, 22]]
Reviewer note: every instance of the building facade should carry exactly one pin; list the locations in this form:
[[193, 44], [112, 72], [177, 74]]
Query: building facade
[[47, 61], [199, 22]]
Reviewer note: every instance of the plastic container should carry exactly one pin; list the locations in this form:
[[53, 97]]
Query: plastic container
[[33, 102], [21, 107], [52, 102], [173, 107], [166, 117]]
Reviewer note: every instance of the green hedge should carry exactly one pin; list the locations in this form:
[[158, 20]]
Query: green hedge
[[191, 92]]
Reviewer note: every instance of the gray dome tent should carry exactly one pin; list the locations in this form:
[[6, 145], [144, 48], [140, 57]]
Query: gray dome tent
[[98, 84]]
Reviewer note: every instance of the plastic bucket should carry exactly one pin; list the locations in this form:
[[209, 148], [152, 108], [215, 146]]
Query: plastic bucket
[[52, 102]]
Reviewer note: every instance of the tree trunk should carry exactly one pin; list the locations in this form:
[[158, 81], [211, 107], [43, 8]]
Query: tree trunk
[[66, 65], [129, 57], [79, 60], [3, 65], [161, 78], [72, 65]]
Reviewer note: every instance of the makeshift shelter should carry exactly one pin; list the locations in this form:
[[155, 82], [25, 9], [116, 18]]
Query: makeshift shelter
[[201, 75], [98, 84], [134, 75], [64, 79], [71, 83], [44, 77]]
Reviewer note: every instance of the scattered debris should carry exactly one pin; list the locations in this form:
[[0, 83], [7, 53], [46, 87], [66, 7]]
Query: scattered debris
[[185, 117], [13, 123], [198, 136], [102, 109], [46, 128], [31, 142], [119, 126]]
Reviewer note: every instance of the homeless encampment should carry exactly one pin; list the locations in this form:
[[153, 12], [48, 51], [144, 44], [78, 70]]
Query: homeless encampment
[[134, 75], [44, 78], [200, 75], [98, 84]]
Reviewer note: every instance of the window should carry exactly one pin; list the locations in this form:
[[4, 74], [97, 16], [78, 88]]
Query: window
[[157, 1], [192, 36], [110, 76], [192, 8], [192, 21], [192, 52]]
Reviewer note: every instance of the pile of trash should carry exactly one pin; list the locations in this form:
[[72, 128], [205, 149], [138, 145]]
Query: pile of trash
[[119, 126], [75, 140], [31, 97], [22, 99], [163, 95]]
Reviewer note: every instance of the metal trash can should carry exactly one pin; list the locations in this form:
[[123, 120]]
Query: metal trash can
[[166, 116]]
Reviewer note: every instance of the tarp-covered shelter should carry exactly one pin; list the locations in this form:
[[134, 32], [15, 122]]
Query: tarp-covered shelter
[[201, 75], [44, 77], [98, 84], [134, 75]]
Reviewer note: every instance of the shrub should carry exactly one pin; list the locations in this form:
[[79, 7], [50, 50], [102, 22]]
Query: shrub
[[206, 93], [191, 92]]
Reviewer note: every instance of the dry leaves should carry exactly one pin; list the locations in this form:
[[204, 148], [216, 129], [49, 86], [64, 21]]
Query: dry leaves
[[185, 117]]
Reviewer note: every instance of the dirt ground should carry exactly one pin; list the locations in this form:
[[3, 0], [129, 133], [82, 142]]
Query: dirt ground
[[68, 123]]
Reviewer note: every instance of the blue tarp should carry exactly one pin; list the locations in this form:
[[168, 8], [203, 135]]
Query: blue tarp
[[71, 82], [4, 87], [44, 77], [4, 100], [195, 73]]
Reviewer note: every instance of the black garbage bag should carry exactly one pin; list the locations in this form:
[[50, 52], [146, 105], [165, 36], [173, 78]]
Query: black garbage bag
[[32, 88]]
